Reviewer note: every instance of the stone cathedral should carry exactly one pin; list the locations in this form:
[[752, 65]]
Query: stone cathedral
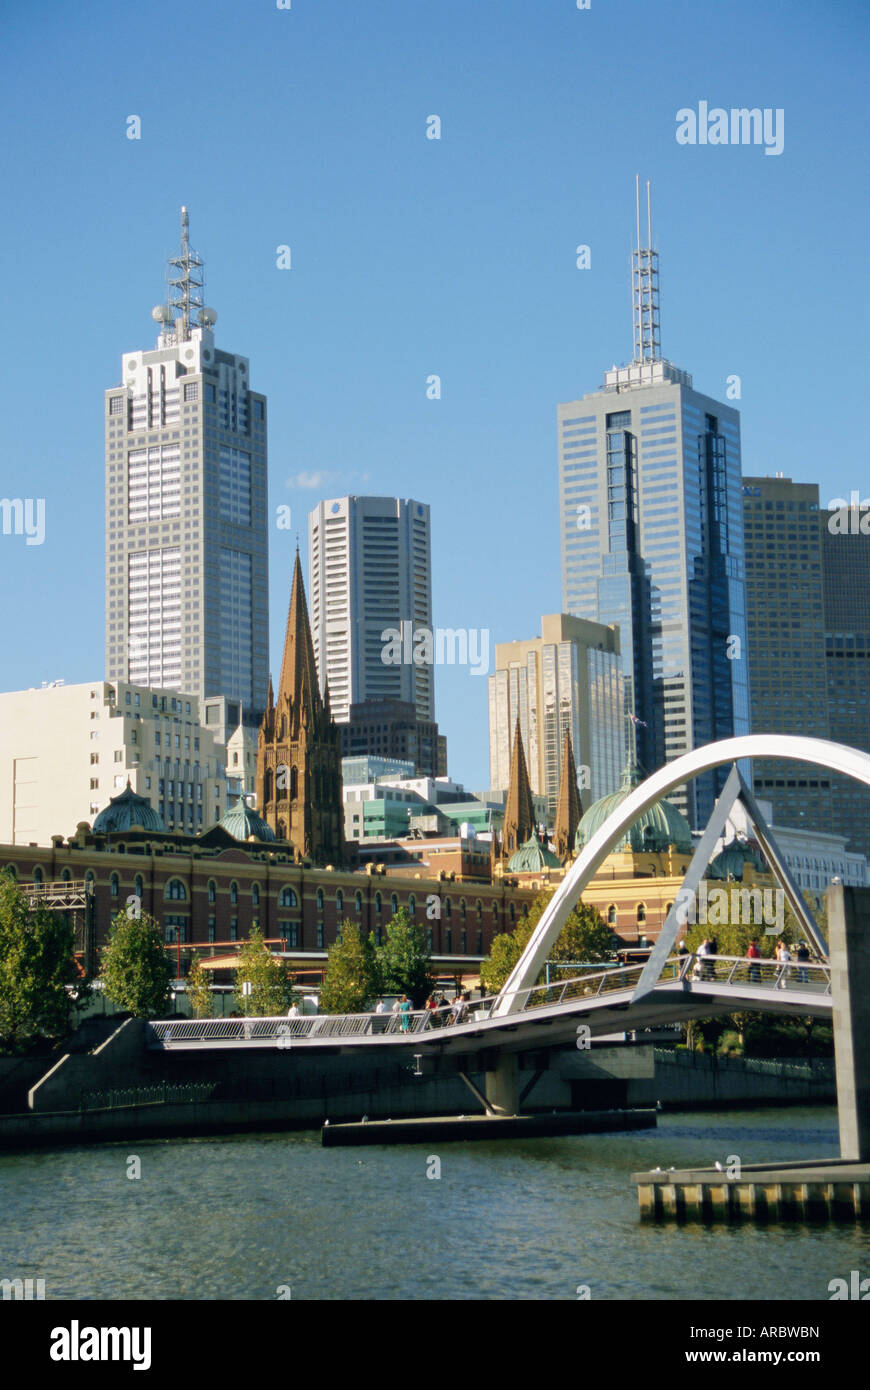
[[299, 750]]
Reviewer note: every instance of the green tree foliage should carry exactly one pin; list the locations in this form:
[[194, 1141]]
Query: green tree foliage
[[584, 937], [404, 960], [271, 986], [353, 978], [135, 969], [199, 990], [36, 965]]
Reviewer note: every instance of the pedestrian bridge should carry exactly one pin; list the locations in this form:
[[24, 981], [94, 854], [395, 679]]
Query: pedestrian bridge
[[602, 1001]]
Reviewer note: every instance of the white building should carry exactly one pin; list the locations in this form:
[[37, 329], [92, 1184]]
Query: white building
[[370, 569], [186, 524], [66, 750]]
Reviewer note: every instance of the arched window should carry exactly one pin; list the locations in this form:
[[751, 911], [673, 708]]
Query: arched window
[[37, 875], [66, 876], [377, 902], [611, 915], [394, 904], [641, 913], [282, 830], [357, 901], [339, 900], [267, 786], [462, 908], [234, 892], [320, 900], [294, 784], [288, 898], [412, 905], [212, 891], [89, 878], [478, 907], [176, 891], [447, 908], [113, 886], [139, 887], [255, 894]]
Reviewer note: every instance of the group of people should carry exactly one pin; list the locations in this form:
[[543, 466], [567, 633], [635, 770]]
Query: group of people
[[705, 968], [441, 1011]]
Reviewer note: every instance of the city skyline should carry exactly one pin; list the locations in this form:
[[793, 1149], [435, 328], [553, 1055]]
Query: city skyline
[[444, 272]]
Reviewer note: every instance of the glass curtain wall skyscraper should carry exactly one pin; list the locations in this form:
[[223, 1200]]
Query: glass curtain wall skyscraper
[[186, 509], [651, 529]]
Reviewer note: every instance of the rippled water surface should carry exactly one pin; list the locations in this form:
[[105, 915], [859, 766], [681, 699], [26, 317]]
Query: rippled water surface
[[237, 1217]]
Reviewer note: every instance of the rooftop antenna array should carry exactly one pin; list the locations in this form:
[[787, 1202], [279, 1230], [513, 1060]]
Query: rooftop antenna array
[[186, 286], [645, 289]]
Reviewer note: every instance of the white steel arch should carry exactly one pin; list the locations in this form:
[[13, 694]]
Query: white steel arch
[[836, 757]]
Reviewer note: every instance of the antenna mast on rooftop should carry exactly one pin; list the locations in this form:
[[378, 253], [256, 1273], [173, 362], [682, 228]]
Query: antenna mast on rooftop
[[186, 286], [645, 289]]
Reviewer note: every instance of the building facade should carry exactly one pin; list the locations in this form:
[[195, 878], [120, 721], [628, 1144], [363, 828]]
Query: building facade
[[186, 509], [66, 749], [567, 682], [371, 570], [393, 729], [786, 642]]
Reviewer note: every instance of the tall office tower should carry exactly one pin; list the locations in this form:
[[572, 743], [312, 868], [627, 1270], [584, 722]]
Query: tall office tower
[[786, 632], [565, 682], [652, 539], [371, 569], [371, 592], [186, 528], [846, 587]]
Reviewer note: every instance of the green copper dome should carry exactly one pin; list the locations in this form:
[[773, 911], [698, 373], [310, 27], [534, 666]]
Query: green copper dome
[[659, 826], [732, 860], [244, 824], [532, 857], [125, 811]]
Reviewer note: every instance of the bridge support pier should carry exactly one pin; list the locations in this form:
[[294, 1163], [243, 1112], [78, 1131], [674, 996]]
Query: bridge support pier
[[849, 933], [502, 1085]]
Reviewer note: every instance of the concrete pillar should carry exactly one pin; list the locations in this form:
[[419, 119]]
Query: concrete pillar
[[502, 1085], [849, 942]]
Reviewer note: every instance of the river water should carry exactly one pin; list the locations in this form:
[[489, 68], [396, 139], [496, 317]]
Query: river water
[[275, 1215]]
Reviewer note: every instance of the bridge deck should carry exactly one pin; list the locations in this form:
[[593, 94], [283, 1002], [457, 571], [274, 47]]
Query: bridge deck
[[549, 1014]]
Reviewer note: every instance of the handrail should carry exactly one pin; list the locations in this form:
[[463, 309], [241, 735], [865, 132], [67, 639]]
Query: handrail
[[688, 970]]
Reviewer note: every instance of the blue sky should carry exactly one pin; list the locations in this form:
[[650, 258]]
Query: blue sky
[[410, 257]]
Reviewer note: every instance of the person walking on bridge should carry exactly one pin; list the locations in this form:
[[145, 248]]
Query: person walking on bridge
[[753, 954], [783, 955]]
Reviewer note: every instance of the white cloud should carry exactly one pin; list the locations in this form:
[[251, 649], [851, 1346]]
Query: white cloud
[[309, 480]]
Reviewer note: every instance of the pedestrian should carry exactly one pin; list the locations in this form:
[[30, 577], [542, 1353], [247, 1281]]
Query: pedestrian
[[803, 955], [404, 1013], [699, 968], [753, 953], [783, 955], [381, 1006], [293, 1011], [712, 950]]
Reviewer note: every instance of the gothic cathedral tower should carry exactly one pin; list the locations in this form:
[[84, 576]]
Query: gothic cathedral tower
[[299, 749]]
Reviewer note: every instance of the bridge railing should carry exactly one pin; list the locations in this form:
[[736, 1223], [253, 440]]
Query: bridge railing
[[733, 971], [738, 970]]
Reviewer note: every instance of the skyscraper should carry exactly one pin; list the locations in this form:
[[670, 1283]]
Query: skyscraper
[[846, 603], [564, 683], [186, 508], [371, 573], [786, 634], [652, 539]]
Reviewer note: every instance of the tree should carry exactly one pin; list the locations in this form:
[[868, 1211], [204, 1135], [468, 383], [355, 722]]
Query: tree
[[584, 937], [37, 963], [199, 990], [270, 985], [353, 977], [404, 960], [135, 968]]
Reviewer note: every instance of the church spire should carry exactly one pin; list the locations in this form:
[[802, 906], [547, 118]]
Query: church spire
[[298, 680], [519, 815], [568, 808]]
